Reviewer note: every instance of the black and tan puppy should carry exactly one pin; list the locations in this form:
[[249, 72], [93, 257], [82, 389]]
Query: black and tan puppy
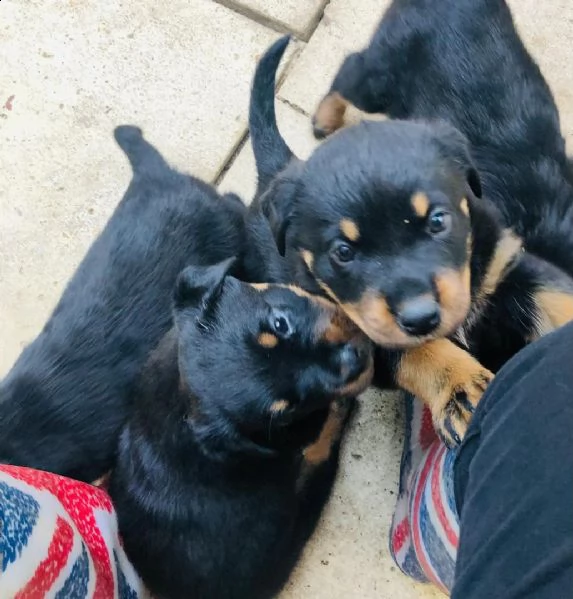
[[386, 220], [462, 61], [232, 447], [63, 403]]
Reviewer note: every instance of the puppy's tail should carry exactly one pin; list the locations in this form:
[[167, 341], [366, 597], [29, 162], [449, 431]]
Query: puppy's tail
[[145, 160], [272, 153]]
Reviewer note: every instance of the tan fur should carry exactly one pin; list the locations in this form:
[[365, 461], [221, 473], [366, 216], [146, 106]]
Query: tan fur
[[319, 451], [421, 204], [507, 248], [308, 258], [435, 372], [554, 309], [268, 340], [329, 115], [464, 206], [350, 229], [454, 294], [279, 406]]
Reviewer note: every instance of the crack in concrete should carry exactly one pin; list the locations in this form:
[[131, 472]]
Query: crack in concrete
[[272, 23]]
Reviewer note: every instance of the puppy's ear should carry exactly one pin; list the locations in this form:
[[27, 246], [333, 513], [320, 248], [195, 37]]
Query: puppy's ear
[[473, 180], [278, 202], [457, 147], [197, 286]]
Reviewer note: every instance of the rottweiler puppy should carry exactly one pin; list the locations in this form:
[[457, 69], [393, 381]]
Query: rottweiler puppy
[[63, 403], [231, 449], [463, 61], [387, 219]]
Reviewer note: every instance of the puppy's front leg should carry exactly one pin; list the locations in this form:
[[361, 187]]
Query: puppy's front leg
[[321, 451], [357, 93], [448, 379]]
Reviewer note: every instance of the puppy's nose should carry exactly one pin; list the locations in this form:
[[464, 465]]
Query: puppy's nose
[[419, 316], [353, 360]]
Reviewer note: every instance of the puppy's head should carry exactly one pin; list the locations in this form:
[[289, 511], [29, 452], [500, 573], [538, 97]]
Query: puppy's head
[[264, 356], [379, 219]]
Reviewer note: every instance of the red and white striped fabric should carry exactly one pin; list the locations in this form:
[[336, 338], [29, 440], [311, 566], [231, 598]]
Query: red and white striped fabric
[[425, 528], [59, 539]]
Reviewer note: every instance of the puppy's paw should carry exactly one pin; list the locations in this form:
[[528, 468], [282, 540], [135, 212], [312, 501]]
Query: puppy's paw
[[329, 116], [452, 410], [449, 380]]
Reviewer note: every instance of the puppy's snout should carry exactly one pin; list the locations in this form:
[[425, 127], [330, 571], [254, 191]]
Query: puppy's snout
[[354, 360], [419, 316]]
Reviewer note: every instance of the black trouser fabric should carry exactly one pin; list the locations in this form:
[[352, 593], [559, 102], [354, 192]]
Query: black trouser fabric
[[514, 480]]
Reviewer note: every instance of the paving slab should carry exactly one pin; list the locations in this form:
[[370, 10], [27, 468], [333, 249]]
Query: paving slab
[[348, 556], [72, 71], [344, 28], [295, 16]]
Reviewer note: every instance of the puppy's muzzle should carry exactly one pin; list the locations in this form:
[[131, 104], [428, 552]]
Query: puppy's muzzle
[[354, 360]]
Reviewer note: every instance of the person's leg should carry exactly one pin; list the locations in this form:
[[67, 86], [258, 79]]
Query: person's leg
[[514, 480]]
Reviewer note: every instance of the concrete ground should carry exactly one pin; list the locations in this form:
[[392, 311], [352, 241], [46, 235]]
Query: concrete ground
[[74, 69]]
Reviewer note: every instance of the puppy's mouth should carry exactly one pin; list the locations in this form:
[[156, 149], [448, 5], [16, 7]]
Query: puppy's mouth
[[419, 320], [358, 383]]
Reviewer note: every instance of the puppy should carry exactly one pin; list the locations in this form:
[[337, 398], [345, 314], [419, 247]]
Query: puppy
[[463, 61], [232, 446], [386, 219], [63, 403]]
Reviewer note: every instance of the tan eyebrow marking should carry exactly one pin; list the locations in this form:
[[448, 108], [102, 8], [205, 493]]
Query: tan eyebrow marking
[[421, 204], [350, 229]]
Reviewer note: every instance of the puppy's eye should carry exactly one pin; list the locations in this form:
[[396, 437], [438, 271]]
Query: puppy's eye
[[439, 221], [281, 326], [343, 252]]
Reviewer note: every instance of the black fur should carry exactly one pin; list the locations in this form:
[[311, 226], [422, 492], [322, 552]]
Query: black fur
[[63, 403], [462, 61], [214, 496]]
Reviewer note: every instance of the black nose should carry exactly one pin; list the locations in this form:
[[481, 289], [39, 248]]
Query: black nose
[[419, 316], [353, 360]]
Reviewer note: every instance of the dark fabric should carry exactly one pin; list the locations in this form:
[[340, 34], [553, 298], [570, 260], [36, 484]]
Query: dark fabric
[[514, 480]]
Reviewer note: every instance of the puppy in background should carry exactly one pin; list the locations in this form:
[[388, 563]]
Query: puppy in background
[[231, 449], [66, 398], [463, 62]]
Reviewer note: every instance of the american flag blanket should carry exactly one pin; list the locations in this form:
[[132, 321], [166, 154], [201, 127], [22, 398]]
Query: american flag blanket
[[59, 539]]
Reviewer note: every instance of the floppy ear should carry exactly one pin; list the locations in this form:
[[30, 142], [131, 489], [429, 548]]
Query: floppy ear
[[473, 180], [277, 203], [457, 146], [198, 286]]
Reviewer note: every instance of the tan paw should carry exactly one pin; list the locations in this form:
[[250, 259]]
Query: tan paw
[[452, 410]]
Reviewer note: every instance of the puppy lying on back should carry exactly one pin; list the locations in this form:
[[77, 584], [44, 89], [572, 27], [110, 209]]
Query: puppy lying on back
[[386, 219], [63, 403], [462, 61], [232, 447]]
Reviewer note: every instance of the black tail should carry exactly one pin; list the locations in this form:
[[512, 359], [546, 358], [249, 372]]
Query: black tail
[[145, 160], [272, 153]]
